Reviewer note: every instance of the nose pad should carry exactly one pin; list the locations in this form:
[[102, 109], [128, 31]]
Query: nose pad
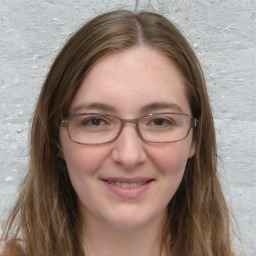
[[128, 149]]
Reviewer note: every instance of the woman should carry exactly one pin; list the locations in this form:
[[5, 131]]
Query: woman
[[123, 152]]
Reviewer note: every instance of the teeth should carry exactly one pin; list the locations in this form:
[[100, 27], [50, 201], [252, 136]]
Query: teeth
[[127, 185]]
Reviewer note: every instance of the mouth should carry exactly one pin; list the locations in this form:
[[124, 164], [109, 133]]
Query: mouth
[[126, 184], [128, 188]]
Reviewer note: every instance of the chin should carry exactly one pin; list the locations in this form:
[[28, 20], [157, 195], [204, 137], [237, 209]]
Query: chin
[[128, 224], [129, 221]]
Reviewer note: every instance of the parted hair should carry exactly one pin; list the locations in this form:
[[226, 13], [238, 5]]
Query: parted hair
[[45, 220]]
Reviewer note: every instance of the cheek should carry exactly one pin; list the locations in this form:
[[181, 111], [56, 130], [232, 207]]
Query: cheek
[[83, 164], [81, 160], [171, 159]]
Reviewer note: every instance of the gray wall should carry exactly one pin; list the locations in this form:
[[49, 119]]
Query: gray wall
[[223, 34]]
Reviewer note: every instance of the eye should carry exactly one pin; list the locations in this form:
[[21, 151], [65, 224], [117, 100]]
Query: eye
[[160, 122], [95, 122]]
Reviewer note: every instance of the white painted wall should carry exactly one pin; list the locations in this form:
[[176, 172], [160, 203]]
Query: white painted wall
[[223, 33]]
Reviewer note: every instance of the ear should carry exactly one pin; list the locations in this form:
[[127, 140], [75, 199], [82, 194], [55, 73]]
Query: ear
[[60, 155], [60, 152], [192, 149]]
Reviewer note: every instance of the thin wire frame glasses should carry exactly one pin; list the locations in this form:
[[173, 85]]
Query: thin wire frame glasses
[[98, 128]]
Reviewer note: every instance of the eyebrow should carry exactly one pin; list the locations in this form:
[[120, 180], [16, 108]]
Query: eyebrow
[[159, 106], [152, 107], [95, 106]]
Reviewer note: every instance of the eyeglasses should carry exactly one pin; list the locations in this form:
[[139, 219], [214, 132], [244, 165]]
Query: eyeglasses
[[95, 128]]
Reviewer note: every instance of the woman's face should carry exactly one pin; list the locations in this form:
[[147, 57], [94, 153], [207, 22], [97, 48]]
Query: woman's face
[[128, 84]]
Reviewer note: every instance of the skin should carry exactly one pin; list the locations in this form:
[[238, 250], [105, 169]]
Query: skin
[[126, 82]]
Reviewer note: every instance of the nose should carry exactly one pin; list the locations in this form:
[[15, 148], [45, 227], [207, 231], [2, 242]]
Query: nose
[[128, 149]]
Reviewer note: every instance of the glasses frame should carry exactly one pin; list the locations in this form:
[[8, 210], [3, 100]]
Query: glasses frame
[[64, 122]]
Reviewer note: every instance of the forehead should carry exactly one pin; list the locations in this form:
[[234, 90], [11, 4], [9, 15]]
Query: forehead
[[131, 79]]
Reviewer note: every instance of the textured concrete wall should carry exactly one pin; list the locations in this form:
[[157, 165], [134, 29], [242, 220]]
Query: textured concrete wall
[[223, 33]]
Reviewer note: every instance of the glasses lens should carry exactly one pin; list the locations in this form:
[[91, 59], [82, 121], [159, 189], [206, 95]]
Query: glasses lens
[[99, 129], [93, 129], [164, 127]]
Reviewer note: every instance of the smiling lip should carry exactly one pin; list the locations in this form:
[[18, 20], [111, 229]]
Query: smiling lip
[[130, 188]]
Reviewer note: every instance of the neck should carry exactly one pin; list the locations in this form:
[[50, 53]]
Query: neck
[[100, 238]]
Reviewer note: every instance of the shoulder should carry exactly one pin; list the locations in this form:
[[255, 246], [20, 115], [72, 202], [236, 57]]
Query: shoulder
[[2, 248], [11, 248], [2, 244]]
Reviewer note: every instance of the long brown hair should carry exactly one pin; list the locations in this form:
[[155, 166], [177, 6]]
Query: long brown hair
[[46, 217]]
